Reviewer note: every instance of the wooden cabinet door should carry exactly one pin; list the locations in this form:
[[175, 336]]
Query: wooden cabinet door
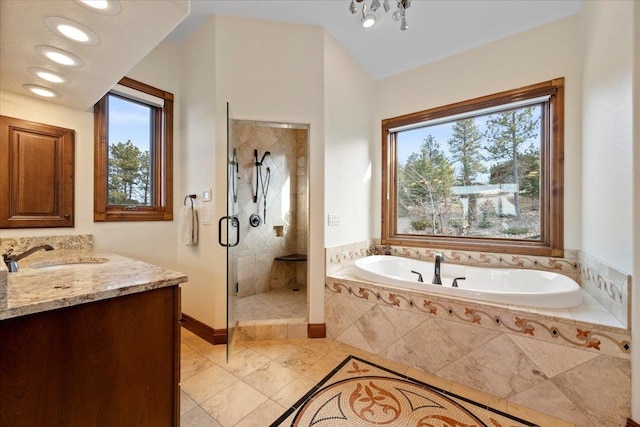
[[36, 175], [114, 362]]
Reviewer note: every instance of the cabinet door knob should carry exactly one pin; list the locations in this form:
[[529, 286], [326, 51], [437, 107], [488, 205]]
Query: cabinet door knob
[[67, 216]]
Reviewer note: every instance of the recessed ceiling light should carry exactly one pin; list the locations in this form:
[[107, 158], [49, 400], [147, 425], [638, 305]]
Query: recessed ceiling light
[[59, 56], [72, 30], [42, 91], [107, 7], [50, 76]]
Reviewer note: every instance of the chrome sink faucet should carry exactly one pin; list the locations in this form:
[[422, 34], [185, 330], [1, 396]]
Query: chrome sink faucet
[[436, 274], [12, 260]]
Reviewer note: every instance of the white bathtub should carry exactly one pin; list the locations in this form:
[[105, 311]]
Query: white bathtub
[[531, 288]]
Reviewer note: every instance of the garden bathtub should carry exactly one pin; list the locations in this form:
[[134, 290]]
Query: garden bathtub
[[532, 288]]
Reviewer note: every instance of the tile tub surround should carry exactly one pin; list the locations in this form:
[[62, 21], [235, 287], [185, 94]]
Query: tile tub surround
[[508, 352], [609, 286], [104, 275]]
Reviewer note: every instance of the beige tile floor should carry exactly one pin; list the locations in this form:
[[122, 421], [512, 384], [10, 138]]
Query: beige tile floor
[[275, 304], [265, 378]]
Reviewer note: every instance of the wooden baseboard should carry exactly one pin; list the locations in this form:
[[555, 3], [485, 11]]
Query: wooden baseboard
[[631, 423], [206, 332], [317, 330]]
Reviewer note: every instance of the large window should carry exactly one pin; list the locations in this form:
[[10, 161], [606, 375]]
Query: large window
[[484, 174], [133, 154]]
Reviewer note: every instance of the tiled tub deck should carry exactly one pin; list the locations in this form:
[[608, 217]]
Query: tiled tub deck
[[572, 364]]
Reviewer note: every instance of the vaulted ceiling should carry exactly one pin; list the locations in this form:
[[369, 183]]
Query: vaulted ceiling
[[437, 29]]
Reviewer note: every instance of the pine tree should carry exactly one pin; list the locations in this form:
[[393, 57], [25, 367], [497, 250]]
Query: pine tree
[[465, 146], [144, 190], [507, 133], [124, 172]]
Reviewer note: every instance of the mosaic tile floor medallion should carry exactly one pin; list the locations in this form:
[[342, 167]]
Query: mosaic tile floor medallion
[[359, 394]]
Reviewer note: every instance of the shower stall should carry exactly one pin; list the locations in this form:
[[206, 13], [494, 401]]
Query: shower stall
[[272, 199]]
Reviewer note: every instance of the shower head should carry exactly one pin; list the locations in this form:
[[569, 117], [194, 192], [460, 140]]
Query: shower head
[[266, 153]]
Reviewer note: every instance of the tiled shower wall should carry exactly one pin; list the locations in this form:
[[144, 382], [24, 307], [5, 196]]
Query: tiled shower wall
[[302, 204], [258, 271]]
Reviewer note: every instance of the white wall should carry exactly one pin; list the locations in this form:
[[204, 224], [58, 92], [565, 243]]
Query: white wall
[[148, 241], [611, 165], [197, 135], [533, 56], [350, 147], [270, 72], [607, 115]]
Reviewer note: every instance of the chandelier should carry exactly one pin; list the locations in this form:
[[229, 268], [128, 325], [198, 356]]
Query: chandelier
[[369, 16]]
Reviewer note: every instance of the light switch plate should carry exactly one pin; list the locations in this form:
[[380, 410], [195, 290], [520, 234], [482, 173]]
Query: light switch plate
[[206, 195], [333, 220]]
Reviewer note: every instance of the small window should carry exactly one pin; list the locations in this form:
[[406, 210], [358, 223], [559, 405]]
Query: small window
[[133, 154], [484, 174]]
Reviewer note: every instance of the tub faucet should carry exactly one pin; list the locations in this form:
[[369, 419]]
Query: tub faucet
[[419, 275], [436, 274], [12, 260]]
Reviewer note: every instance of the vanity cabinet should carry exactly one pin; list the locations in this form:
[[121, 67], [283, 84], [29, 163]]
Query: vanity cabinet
[[113, 362], [36, 174]]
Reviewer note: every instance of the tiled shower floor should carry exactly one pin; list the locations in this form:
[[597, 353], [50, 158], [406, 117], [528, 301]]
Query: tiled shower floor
[[276, 304]]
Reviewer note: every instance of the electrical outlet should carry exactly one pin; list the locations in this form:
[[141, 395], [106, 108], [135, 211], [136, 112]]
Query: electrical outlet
[[333, 220]]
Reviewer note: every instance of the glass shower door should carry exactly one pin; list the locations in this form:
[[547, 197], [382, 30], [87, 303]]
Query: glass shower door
[[232, 232]]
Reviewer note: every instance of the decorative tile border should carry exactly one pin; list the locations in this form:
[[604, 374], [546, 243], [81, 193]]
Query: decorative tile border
[[340, 258], [608, 340], [610, 287], [346, 255]]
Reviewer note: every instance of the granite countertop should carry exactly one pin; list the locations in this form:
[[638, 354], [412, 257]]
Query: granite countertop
[[45, 281]]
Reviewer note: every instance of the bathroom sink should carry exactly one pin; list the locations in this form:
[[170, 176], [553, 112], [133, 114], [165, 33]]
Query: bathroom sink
[[63, 265]]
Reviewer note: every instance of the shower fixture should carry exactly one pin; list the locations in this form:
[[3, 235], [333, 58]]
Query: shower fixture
[[262, 183], [258, 165]]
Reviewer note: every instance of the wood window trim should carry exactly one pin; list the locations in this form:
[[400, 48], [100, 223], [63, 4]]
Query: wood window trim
[[163, 157], [552, 170]]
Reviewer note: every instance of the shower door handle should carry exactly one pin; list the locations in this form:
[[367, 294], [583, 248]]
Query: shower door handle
[[234, 223]]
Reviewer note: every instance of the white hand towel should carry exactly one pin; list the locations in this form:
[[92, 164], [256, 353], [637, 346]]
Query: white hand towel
[[189, 225]]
